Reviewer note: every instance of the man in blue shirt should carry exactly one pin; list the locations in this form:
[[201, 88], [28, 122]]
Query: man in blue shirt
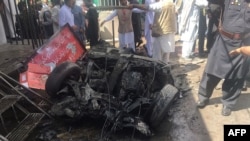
[[79, 21], [66, 16]]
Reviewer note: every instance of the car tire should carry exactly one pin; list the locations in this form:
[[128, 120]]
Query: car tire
[[161, 104], [56, 79]]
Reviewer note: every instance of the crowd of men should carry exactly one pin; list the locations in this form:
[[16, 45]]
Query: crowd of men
[[41, 19], [227, 43], [47, 19]]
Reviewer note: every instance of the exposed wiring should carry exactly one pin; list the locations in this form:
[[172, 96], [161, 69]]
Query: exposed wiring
[[133, 134], [150, 82], [104, 125]]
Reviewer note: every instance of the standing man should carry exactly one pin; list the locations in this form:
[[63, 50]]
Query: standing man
[[66, 16], [79, 20], [125, 29], [235, 24], [163, 28], [189, 27], [92, 23], [45, 17], [136, 22], [149, 19], [178, 8], [55, 14]]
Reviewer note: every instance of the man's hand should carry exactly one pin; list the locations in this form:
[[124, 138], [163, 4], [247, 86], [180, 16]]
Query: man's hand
[[102, 23], [235, 52], [244, 50]]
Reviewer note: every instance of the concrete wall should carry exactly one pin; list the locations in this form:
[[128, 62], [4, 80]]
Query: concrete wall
[[106, 32]]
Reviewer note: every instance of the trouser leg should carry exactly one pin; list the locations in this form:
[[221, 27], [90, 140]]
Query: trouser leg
[[231, 89], [157, 53], [207, 85], [201, 31], [149, 43], [187, 47], [165, 58], [132, 46], [210, 37], [211, 33]]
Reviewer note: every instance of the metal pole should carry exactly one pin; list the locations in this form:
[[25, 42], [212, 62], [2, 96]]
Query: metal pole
[[18, 22], [12, 22], [113, 31]]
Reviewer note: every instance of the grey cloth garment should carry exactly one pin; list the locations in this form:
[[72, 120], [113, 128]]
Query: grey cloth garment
[[220, 65], [214, 10], [136, 22], [236, 19], [47, 24], [231, 89], [79, 21]]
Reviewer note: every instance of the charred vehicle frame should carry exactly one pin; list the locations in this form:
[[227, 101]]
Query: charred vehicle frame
[[124, 89]]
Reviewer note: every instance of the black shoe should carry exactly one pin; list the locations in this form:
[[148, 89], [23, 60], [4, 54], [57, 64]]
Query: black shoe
[[202, 104], [226, 111], [202, 55], [244, 89]]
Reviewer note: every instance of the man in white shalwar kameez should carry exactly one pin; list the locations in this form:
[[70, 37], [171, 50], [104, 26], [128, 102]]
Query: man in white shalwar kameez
[[189, 27], [178, 8], [55, 15], [125, 29], [163, 29], [149, 18]]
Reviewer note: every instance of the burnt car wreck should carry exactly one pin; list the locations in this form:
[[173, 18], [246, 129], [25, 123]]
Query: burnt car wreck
[[124, 90], [118, 88]]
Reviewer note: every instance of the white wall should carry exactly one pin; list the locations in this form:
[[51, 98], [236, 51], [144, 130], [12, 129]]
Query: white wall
[[3, 39]]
